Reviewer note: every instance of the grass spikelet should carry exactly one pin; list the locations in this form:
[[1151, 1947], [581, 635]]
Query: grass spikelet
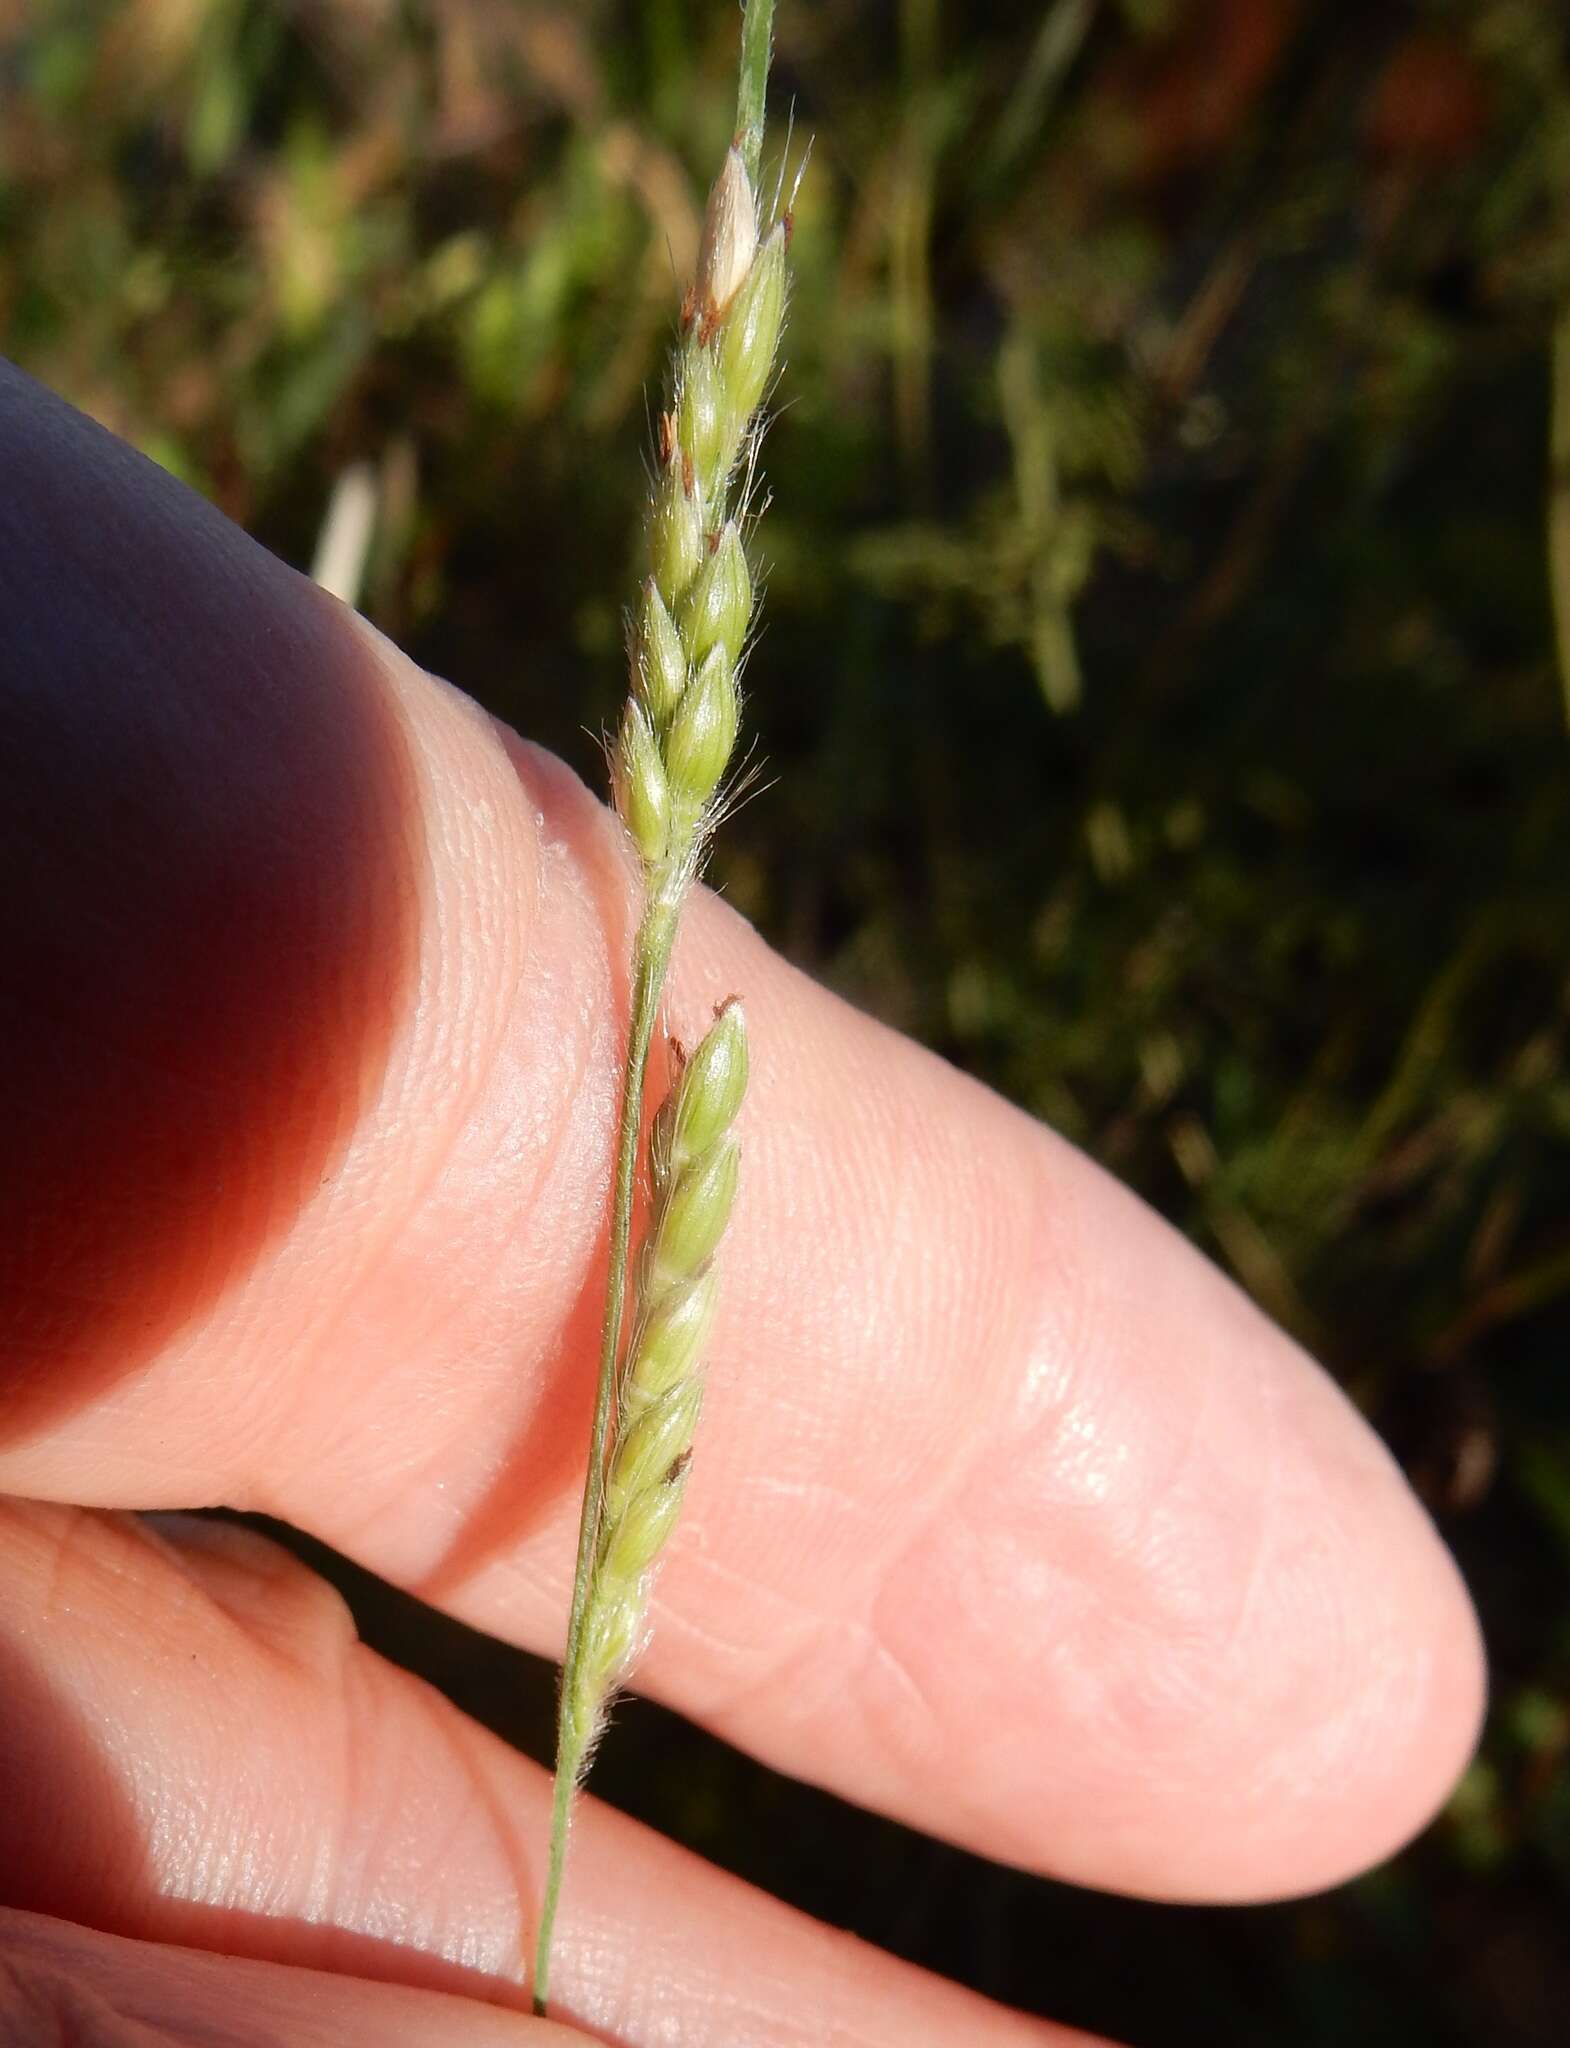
[[688, 635]]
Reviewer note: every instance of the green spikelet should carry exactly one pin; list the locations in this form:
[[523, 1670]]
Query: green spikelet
[[642, 792], [662, 669], [752, 328], [719, 604]]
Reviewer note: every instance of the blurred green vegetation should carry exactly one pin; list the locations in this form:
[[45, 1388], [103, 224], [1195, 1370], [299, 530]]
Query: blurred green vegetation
[[1159, 675]]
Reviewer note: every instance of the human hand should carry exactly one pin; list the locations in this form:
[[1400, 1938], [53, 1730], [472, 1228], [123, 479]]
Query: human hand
[[1010, 1517]]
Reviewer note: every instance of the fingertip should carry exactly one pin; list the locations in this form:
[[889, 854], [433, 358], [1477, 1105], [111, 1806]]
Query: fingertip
[[1389, 1703], [1201, 1638]]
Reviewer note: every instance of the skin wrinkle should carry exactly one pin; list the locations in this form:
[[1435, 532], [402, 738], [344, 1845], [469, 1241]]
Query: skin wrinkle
[[58, 1535], [57, 2012], [1172, 1591], [1149, 1705], [1283, 1771], [359, 1890], [552, 1134], [338, 1869], [128, 1563], [284, 1613], [897, 1283], [458, 861], [1156, 1498], [479, 1924], [195, 2000], [966, 1466], [1270, 1491], [721, 1703], [760, 2018], [308, 1635], [807, 1497], [1079, 1645], [488, 971], [893, 1279], [473, 1057], [1062, 1336], [871, 1557], [829, 1638], [534, 1085], [512, 1833], [251, 1424], [193, 1856], [914, 1745], [1020, 1382], [763, 2007], [1163, 1490], [432, 1924], [300, 1628], [178, 1835], [1383, 1694]]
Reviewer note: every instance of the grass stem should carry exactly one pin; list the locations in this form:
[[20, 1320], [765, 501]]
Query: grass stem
[[757, 33], [1559, 497]]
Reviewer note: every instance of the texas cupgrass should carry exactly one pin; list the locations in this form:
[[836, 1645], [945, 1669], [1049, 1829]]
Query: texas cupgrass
[[687, 635]]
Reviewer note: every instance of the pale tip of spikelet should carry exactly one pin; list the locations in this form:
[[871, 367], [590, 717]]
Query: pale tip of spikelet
[[730, 241]]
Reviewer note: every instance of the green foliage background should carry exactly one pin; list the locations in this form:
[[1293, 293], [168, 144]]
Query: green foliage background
[[1160, 678]]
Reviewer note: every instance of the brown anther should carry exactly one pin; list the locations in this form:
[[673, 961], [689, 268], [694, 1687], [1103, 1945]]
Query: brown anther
[[678, 1469], [689, 476], [788, 223], [667, 438], [689, 307], [711, 326]]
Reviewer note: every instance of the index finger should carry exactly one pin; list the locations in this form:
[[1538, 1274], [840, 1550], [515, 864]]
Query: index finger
[[1009, 1515]]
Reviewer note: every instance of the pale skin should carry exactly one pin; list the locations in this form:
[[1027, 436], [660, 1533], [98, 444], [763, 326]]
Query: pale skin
[[1008, 1516]]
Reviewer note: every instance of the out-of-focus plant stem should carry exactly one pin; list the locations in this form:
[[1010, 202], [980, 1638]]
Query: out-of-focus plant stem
[[1559, 497]]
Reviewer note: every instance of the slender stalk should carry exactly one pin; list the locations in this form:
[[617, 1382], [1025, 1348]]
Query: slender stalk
[[1559, 497], [345, 540], [757, 32]]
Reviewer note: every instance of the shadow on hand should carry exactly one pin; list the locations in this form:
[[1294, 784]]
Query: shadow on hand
[[208, 839]]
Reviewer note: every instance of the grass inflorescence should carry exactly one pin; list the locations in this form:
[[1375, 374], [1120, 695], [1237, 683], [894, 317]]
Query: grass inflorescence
[[687, 637]]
